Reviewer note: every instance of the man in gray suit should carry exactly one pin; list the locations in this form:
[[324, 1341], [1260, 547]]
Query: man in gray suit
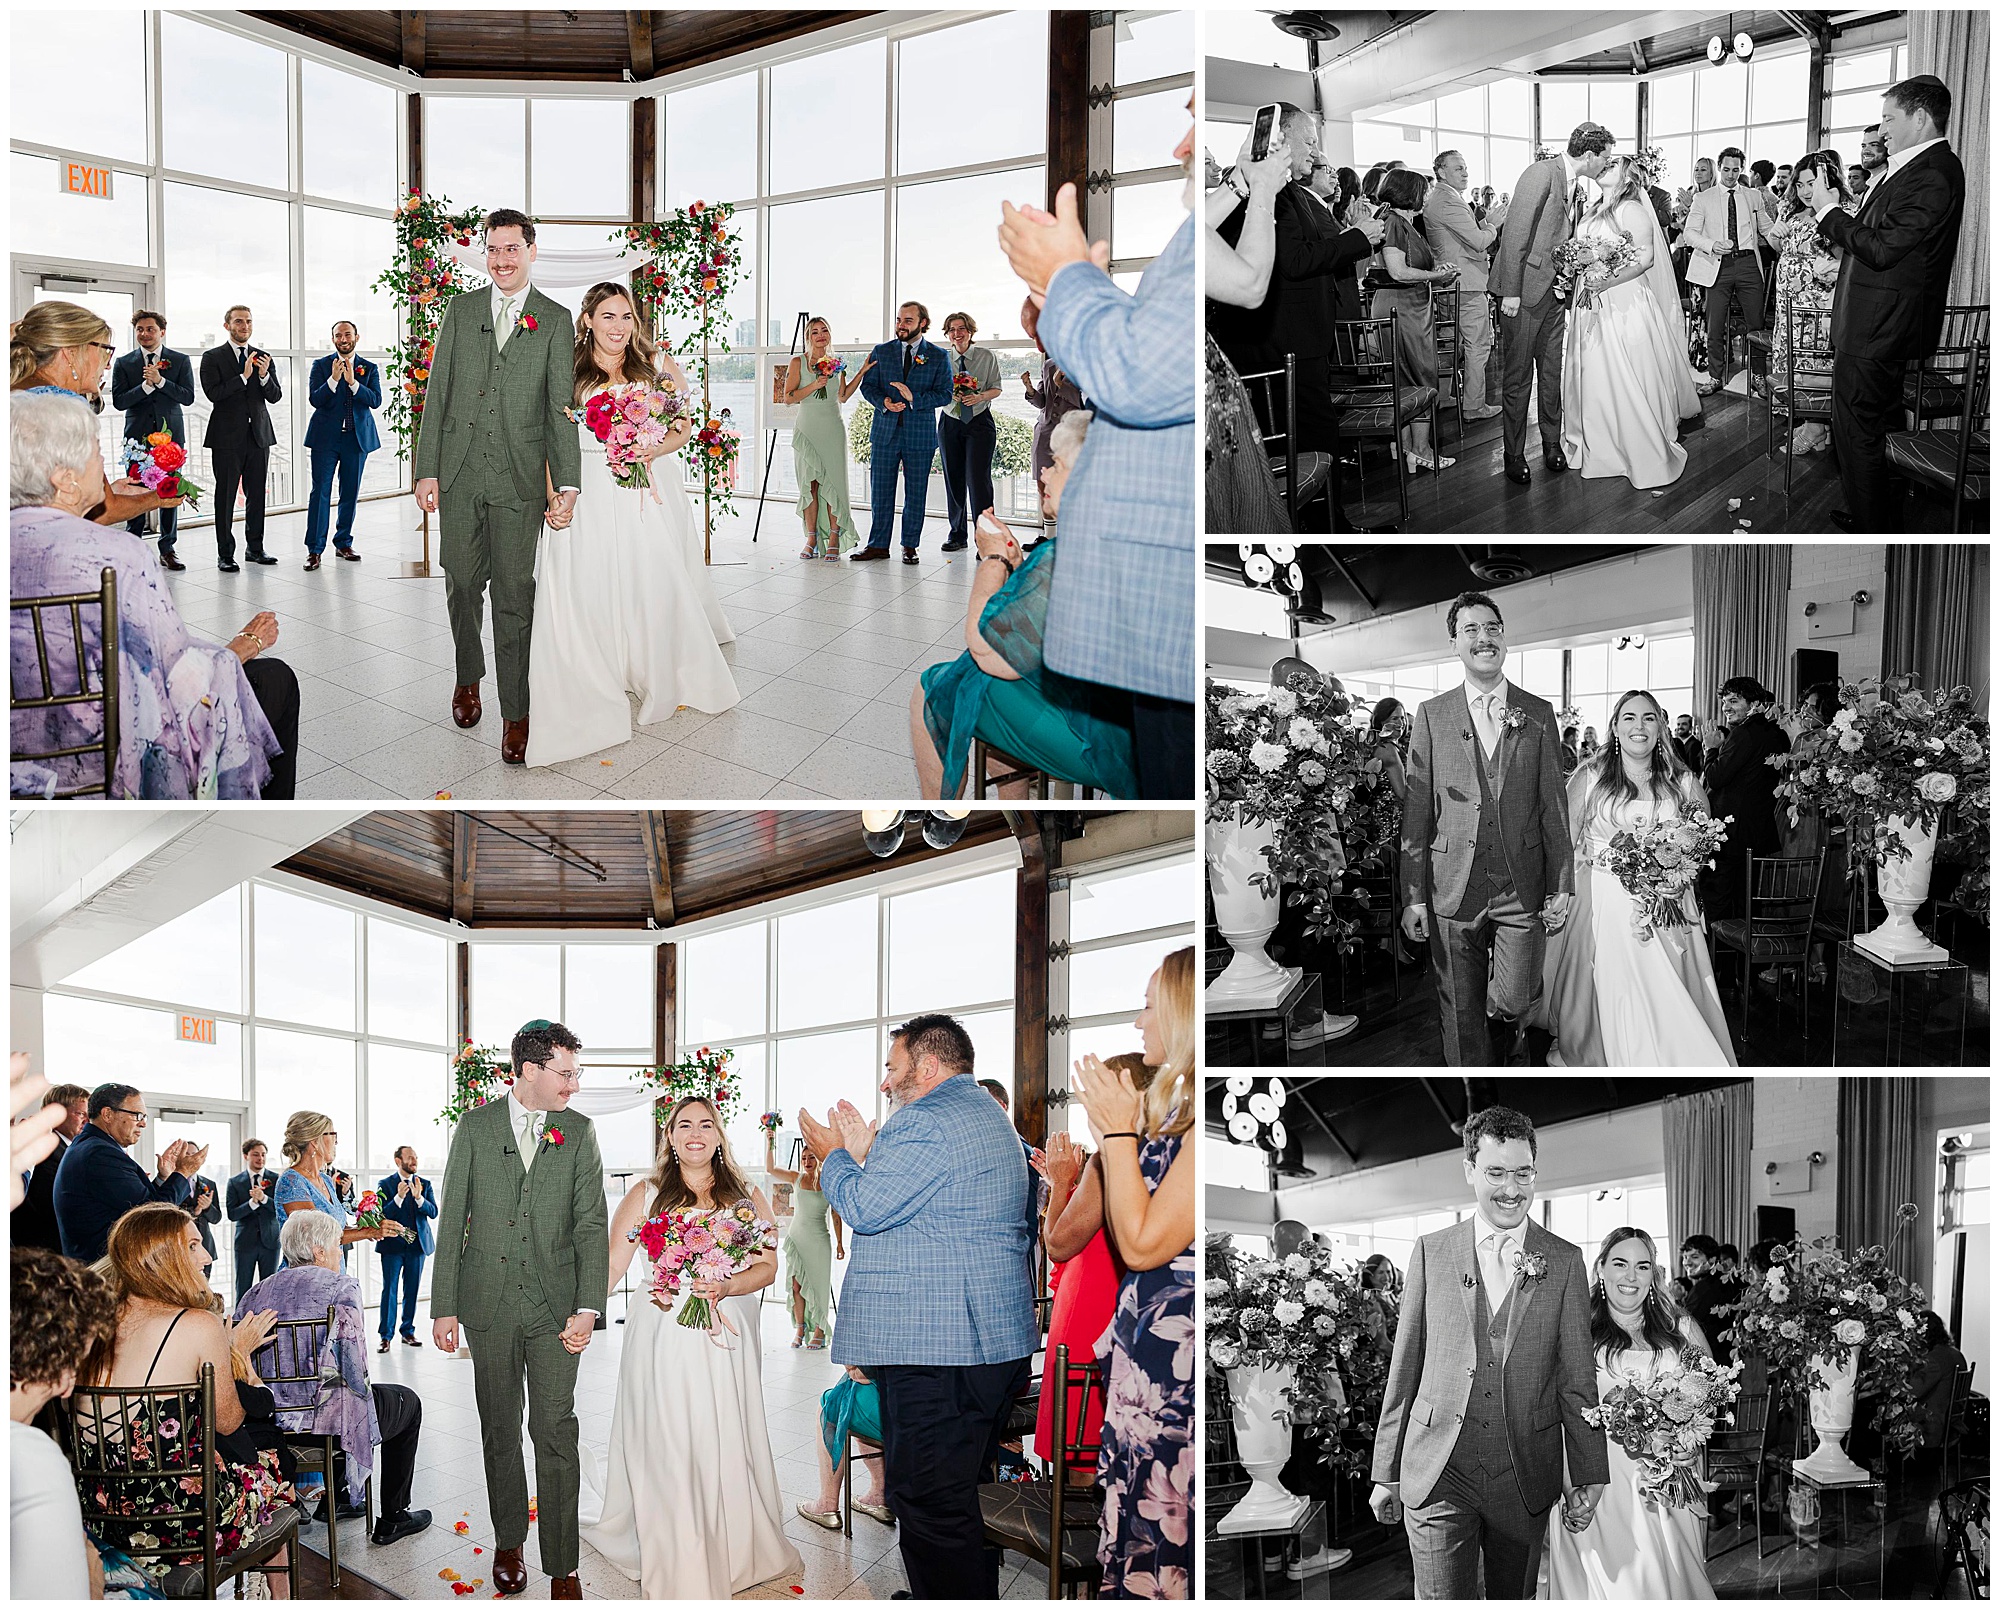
[[1486, 866], [1548, 202], [1459, 238], [524, 1258], [1490, 1376]]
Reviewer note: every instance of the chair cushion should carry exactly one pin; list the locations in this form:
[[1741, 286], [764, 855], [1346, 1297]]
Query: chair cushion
[[1931, 456], [185, 1581], [1016, 1514], [1314, 468], [1730, 930], [1942, 395], [1373, 418]]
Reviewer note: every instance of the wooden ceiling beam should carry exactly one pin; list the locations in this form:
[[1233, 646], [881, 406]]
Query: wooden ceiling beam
[[659, 866], [639, 43], [413, 41], [464, 864]]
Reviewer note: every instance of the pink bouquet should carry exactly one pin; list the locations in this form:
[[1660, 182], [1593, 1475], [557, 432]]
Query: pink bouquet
[[156, 464], [830, 366], [629, 420], [689, 1244], [1658, 866], [963, 387], [368, 1216]]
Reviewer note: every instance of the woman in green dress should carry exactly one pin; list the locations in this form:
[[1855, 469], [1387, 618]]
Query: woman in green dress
[[809, 1250], [819, 442]]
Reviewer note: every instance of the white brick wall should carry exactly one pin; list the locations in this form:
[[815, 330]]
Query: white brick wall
[[1826, 572], [1794, 1118]]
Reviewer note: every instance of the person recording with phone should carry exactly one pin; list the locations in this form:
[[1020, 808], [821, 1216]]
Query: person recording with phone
[[240, 382]]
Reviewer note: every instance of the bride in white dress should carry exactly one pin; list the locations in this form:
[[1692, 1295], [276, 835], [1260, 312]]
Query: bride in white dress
[[688, 1504], [1613, 999], [1626, 382], [1632, 1549], [622, 599]]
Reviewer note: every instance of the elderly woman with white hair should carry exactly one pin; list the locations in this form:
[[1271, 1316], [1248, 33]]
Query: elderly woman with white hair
[[999, 690], [195, 720], [348, 1407]]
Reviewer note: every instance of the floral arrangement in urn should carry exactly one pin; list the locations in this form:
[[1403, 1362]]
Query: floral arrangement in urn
[[1818, 1301], [1290, 757], [1891, 750], [1300, 1311]]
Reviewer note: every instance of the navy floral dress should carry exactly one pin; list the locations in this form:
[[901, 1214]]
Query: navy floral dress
[[1146, 1463]]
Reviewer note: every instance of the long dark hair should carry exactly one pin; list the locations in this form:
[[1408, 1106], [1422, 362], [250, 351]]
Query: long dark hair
[[641, 356], [670, 1190], [1386, 711], [1831, 170], [1669, 777], [1659, 1319]]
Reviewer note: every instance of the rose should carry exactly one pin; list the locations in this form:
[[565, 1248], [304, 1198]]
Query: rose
[[1937, 787], [1850, 1331], [1843, 718], [1224, 1355], [1877, 1302], [1867, 785]]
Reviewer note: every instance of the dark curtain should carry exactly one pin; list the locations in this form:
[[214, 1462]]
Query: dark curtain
[[1957, 47], [1878, 1140], [1706, 1139], [1741, 591], [1935, 614]]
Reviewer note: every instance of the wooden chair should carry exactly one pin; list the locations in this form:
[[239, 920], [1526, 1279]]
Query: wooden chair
[[1014, 771], [1967, 1538], [1054, 1522], [1370, 403], [122, 1457], [104, 695], [1956, 460], [1303, 478], [1804, 392], [1376, 921], [1736, 1457], [1448, 342], [291, 1356], [1954, 1425], [1777, 930], [1933, 391]]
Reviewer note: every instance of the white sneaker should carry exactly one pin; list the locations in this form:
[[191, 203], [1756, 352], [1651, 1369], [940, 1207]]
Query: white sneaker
[[1327, 1559], [1332, 1026]]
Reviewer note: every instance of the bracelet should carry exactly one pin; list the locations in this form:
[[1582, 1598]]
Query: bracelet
[[1003, 560], [1122, 1134]]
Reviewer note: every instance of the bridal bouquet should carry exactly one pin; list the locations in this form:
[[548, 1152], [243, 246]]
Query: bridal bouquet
[[368, 1216], [628, 420], [690, 1244], [156, 464], [1582, 266], [1658, 866], [1664, 1423]]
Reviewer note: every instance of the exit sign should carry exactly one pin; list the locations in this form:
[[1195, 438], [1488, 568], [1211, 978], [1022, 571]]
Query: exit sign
[[201, 1030], [82, 179]]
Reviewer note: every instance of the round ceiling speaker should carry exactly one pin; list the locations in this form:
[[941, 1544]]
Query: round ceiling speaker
[[1716, 50], [1238, 1084], [1278, 1136], [1259, 569], [1243, 1129], [1501, 568], [1744, 46], [1263, 1108], [1283, 552]]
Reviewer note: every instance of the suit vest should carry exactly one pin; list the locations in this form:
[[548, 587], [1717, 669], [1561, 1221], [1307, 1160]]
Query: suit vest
[[521, 1292], [1482, 1440], [1490, 876]]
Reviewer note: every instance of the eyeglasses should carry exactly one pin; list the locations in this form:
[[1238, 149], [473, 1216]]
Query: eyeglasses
[[1500, 1176], [106, 347], [505, 251], [129, 1113], [1471, 631]]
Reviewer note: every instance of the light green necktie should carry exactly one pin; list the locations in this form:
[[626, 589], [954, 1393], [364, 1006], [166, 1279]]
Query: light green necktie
[[506, 327], [529, 1140]]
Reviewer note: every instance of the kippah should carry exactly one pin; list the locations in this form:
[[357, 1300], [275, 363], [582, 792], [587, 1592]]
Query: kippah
[[535, 1026]]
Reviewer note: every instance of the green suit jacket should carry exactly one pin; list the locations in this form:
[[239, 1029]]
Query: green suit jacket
[[506, 1236], [535, 375]]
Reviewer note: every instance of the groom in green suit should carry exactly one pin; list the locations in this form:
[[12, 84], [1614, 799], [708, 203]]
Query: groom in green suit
[[524, 1259], [497, 456]]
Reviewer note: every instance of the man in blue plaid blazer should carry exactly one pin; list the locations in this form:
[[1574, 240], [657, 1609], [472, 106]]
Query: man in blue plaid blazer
[[938, 1306], [1121, 601], [909, 382]]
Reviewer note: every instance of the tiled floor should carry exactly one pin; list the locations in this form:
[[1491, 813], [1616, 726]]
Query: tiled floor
[[825, 658], [450, 1482]]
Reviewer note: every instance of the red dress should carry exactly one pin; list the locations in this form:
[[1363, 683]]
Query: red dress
[[1086, 1295]]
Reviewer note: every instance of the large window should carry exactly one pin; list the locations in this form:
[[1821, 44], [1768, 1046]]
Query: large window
[[1490, 126], [1582, 1217], [1758, 107], [1854, 86], [1151, 71], [274, 185]]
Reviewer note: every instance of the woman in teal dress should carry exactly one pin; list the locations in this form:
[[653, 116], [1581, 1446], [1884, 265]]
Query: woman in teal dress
[[819, 442], [1000, 691], [809, 1249]]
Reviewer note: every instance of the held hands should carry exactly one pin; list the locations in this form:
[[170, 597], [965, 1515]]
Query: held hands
[[577, 1333], [1371, 227], [562, 509], [170, 1158], [1711, 734], [1555, 912], [1110, 1100], [444, 1335], [857, 1134], [908, 395], [427, 494], [1386, 1503], [1580, 1506]]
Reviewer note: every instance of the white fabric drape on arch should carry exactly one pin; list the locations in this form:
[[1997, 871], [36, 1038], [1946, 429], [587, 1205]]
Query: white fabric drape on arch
[[561, 270], [601, 1101]]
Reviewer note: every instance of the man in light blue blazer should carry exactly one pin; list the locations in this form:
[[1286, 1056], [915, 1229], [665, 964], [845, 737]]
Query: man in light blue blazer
[[938, 1306], [344, 391], [1121, 601], [408, 1199]]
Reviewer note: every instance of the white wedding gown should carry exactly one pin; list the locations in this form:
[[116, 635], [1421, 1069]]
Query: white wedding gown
[[1630, 1550], [622, 603], [1626, 382], [688, 1504]]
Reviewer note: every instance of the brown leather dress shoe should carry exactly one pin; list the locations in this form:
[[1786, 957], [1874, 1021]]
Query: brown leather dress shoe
[[346, 553], [514, 742], [465, 706], [566, 1587], [509, 1574], [312, 561]]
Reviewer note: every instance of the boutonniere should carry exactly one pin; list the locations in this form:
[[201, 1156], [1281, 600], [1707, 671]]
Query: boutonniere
[[526, 321], [1530, 1266], [1513, 717], [553, 1136], [919, 359]]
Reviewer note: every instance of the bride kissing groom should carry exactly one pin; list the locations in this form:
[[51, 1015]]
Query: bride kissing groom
[[1504, 1346]]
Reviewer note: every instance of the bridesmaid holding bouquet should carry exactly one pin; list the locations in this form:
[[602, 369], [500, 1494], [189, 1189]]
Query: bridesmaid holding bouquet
[[818, 383]]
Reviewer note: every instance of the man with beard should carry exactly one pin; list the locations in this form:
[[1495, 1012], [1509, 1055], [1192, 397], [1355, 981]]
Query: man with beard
[[345, 392], [1741, 784]]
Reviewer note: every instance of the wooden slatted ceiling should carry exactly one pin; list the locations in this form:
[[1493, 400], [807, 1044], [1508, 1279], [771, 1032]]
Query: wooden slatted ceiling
[[566, 46], [716, 862]]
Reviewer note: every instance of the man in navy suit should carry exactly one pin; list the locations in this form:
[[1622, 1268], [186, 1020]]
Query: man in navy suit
[[909, 381], [345, 392], [152, 384], [406, 1198], [240, 382], [253, 1209], [1894, 282], [98, 1182]]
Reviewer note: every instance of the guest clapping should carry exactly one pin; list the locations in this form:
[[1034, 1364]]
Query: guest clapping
[[60, 349], [308, 1185], [1055, 395], [98, 1182], [966, 432], [33, 1223], [999, 689], [61, 1310], [255, 1216], [937, 1308], [31, 1139], [409, 1200], [344, 390], [1146, 1544], [240, 383], [195, 721], [1407, 259], [341, 1402], [152, 384]]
